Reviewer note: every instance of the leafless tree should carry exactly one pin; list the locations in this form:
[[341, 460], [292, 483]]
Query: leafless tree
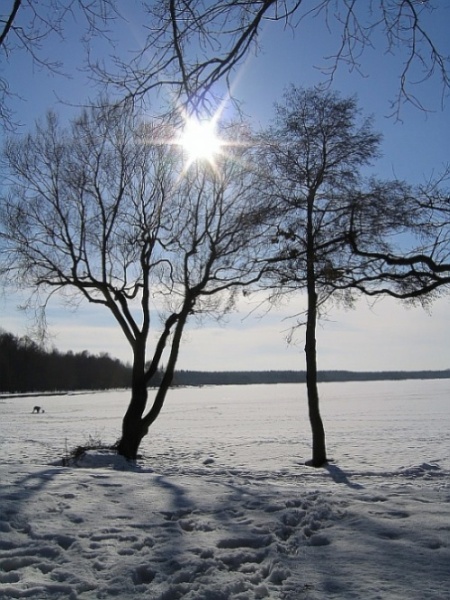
[[312, 158], [105, 212]]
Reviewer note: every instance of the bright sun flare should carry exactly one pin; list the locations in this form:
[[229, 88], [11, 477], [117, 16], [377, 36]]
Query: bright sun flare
[[200, 141]]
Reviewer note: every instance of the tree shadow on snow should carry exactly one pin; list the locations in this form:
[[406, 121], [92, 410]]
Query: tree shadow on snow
[[339, 476]]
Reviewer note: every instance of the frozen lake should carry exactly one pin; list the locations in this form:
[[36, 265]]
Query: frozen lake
[[221, 507], [374, 426]]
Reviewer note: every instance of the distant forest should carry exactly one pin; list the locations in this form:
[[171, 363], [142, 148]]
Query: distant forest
[[26, 367], [267, 377]]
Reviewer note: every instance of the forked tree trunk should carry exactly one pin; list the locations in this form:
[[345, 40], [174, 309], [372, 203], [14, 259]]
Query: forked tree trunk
[[132, 429], [132, 426], [135, 424]]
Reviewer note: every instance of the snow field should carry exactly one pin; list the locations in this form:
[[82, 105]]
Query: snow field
[[220, 506]]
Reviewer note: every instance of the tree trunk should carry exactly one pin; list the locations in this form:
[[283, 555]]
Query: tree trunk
[[133, 429], [135, 425], [319, 453]]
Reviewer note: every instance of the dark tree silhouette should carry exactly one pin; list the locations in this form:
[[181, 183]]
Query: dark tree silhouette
[[312, 160], [106, 212]]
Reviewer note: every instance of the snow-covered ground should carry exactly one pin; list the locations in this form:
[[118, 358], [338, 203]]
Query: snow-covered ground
[[221, 507]]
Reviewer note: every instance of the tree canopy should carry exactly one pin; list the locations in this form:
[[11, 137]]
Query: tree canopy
[[195, 47], [191, 49]]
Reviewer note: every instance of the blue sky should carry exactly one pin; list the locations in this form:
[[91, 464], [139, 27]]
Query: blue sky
[[372, 337]]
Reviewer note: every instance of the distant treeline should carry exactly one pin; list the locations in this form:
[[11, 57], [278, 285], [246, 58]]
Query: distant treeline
[[267, 377], [27, 367]]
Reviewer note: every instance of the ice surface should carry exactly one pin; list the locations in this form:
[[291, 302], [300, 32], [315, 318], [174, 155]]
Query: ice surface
[[221, 505]]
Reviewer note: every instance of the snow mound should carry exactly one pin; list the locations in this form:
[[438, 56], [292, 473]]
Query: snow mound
[[99, 458]]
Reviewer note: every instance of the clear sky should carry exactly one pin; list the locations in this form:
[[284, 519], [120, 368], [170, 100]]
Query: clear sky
[[384, 336]]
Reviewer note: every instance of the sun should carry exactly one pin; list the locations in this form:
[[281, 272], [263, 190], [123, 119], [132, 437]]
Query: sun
[[200, 141]]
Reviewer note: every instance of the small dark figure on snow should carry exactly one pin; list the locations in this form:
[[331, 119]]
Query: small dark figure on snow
[[38, 409]]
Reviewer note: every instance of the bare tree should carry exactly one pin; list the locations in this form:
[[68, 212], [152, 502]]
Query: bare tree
[[104, 212], [195, 46], [313, 158], [338, 233]]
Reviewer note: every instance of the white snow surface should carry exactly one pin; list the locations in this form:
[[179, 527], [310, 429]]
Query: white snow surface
[[221, 506]]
